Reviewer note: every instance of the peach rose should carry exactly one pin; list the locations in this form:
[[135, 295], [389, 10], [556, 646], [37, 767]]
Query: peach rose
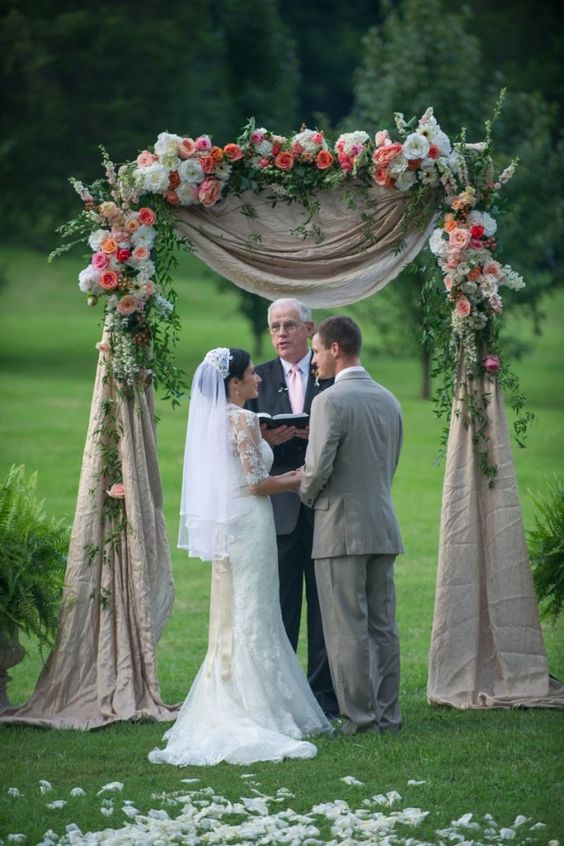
[[463, 307], [449, 225], [146, 216], [186, 148], [109, 280], [324, 159], [173, 180], [131, 225], [233, 152], [492, 268], [109, 246], [382, 177], [141, 253], [384, 155], [103, 347], [457, 203], [209, 192], [284, 161], [117, 491], [459, 238], [146, 159], [217, 154], [127, 305], [208, 164], [474, 274]]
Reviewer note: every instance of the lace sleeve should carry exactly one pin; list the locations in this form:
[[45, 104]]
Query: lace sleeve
[[246, 437]]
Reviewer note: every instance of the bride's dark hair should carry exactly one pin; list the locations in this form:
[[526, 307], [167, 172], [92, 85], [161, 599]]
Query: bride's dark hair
[[239, 360]]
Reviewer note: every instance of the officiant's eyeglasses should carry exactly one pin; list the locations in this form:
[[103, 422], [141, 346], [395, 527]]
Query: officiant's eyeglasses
[[288, 326]]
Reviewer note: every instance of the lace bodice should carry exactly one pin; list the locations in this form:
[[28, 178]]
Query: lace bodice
[[253, 455]]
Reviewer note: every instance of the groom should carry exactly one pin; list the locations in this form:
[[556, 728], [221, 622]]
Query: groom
[[354, 444], [289, 384]]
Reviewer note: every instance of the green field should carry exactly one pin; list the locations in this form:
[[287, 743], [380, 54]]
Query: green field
[[503, 763]]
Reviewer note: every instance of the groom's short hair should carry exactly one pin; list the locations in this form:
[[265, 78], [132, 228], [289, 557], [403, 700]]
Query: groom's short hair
[[342, 331]]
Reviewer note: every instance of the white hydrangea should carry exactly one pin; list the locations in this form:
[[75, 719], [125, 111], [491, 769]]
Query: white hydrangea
[[153, 179], [415, 146], [167, 145], [146, 270], [349, 139], [88, 280], [438, 244], [190, 170], [442, 141], [96, 238], [143, 236]]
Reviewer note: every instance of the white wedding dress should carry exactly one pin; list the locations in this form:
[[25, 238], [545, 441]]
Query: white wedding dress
[[250, 700]]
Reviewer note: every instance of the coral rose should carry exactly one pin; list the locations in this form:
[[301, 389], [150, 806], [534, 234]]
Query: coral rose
[[284, 161], [346, 162], [109, 246], [146, 216], [463, 307], [140, 253], [382, 177], [172, 198], [384, 155], [491, 363], [208, 192], [186, 148], [109, 280], [324, 159], [208, 164], [173, 180], [127, 305], [233, 152], [217, 154]]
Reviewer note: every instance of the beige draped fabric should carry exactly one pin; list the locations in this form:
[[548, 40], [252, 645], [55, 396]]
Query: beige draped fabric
[[103, 667], [487, 648], [357, 256]]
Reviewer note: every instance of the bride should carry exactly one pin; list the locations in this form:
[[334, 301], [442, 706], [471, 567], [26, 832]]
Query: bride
[[250, 700]]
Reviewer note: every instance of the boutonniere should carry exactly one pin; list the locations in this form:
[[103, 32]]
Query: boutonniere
[[315, 374]]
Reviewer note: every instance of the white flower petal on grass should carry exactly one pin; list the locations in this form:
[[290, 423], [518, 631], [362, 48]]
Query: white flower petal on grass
[[414, 783], [189, 780], [352, 781], [112, 786], [537, 827], [77, 791], [17, 838], [256, 805], [107, 810], [14, 792], [58, 803], [45, 786], [507, 833]]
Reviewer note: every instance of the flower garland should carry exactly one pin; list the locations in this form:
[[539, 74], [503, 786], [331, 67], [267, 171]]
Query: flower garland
[[129, 227]]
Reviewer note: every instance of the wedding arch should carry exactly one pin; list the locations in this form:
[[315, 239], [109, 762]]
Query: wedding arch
[[330, 224]]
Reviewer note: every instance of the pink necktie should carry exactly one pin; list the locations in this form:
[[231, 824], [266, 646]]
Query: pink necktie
[[296, 390]]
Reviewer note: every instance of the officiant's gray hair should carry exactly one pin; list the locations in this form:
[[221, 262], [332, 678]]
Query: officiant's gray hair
[[291, 302]]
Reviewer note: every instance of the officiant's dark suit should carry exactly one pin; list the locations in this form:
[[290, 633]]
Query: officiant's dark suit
[[294, 528]]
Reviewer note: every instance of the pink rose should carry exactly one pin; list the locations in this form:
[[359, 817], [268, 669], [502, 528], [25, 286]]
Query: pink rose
[[454, 261], [459, 238], [324, 159], [476, 244], [109, 280], [346, 162], [186, 148], [317, 138], [146, 216], [149, 288], [103, 347], [209, 192], [203, 143], [208, 164], [100, 261], [127, 305], [356, 149], [382, 138], [264, 162], [257, 137], [117, 491], [140, 253], [384, 155], [492, 268], [297, 148], [146, 159], [448, 280], [491, 363], [463, 307]]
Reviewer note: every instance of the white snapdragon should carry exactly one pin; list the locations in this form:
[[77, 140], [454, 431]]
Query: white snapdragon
[[415, 146], [145, 271]]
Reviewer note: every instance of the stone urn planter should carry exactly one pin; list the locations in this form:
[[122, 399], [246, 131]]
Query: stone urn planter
[[11, 653]]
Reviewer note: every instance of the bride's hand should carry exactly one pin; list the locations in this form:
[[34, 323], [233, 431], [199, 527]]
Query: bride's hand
[[293, 478]]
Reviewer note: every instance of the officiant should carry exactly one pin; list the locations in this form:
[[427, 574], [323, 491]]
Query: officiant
[[289, 384]]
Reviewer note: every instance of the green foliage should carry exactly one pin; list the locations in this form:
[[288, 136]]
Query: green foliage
[[33, 549], [546, 549]]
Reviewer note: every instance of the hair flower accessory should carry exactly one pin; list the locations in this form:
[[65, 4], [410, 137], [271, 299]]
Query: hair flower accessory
[[219, 358]]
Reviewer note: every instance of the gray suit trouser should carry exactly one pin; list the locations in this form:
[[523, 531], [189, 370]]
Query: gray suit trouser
[[358, 610]]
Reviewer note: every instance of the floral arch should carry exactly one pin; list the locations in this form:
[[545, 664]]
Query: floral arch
[[330, 224]]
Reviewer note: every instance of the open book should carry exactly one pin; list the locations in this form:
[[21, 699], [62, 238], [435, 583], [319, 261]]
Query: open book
[[300, 420]]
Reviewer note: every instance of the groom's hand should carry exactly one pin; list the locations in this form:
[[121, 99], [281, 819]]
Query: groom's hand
[[303, 433], [278, 436]]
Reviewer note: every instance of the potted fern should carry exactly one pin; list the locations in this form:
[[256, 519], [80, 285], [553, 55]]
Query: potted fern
[[33, 550]]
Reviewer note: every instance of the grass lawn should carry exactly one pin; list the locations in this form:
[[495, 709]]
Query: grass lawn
[[503, 763]]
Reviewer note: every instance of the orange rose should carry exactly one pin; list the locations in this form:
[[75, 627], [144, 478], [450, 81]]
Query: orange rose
[[284, 161], [233, 152], [384, 155], [217, 154], [147, 216], [324, 159], [450, 225], [109, 246], [173, 179], [208, 164], [474, 274]]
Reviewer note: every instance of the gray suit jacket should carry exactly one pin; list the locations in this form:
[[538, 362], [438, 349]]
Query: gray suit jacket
[[354, 445]]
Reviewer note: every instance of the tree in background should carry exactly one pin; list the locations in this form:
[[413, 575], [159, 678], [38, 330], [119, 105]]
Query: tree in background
[[425, 54]]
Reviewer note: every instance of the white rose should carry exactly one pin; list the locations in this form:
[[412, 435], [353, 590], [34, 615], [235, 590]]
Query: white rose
[[264, 148], [96, 238], [88, 279], [397, 165], [190, 171], [437, 244], [167, 144], [415, 146], [143, 236], [153, 179], [405, 180], [185, 193]]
